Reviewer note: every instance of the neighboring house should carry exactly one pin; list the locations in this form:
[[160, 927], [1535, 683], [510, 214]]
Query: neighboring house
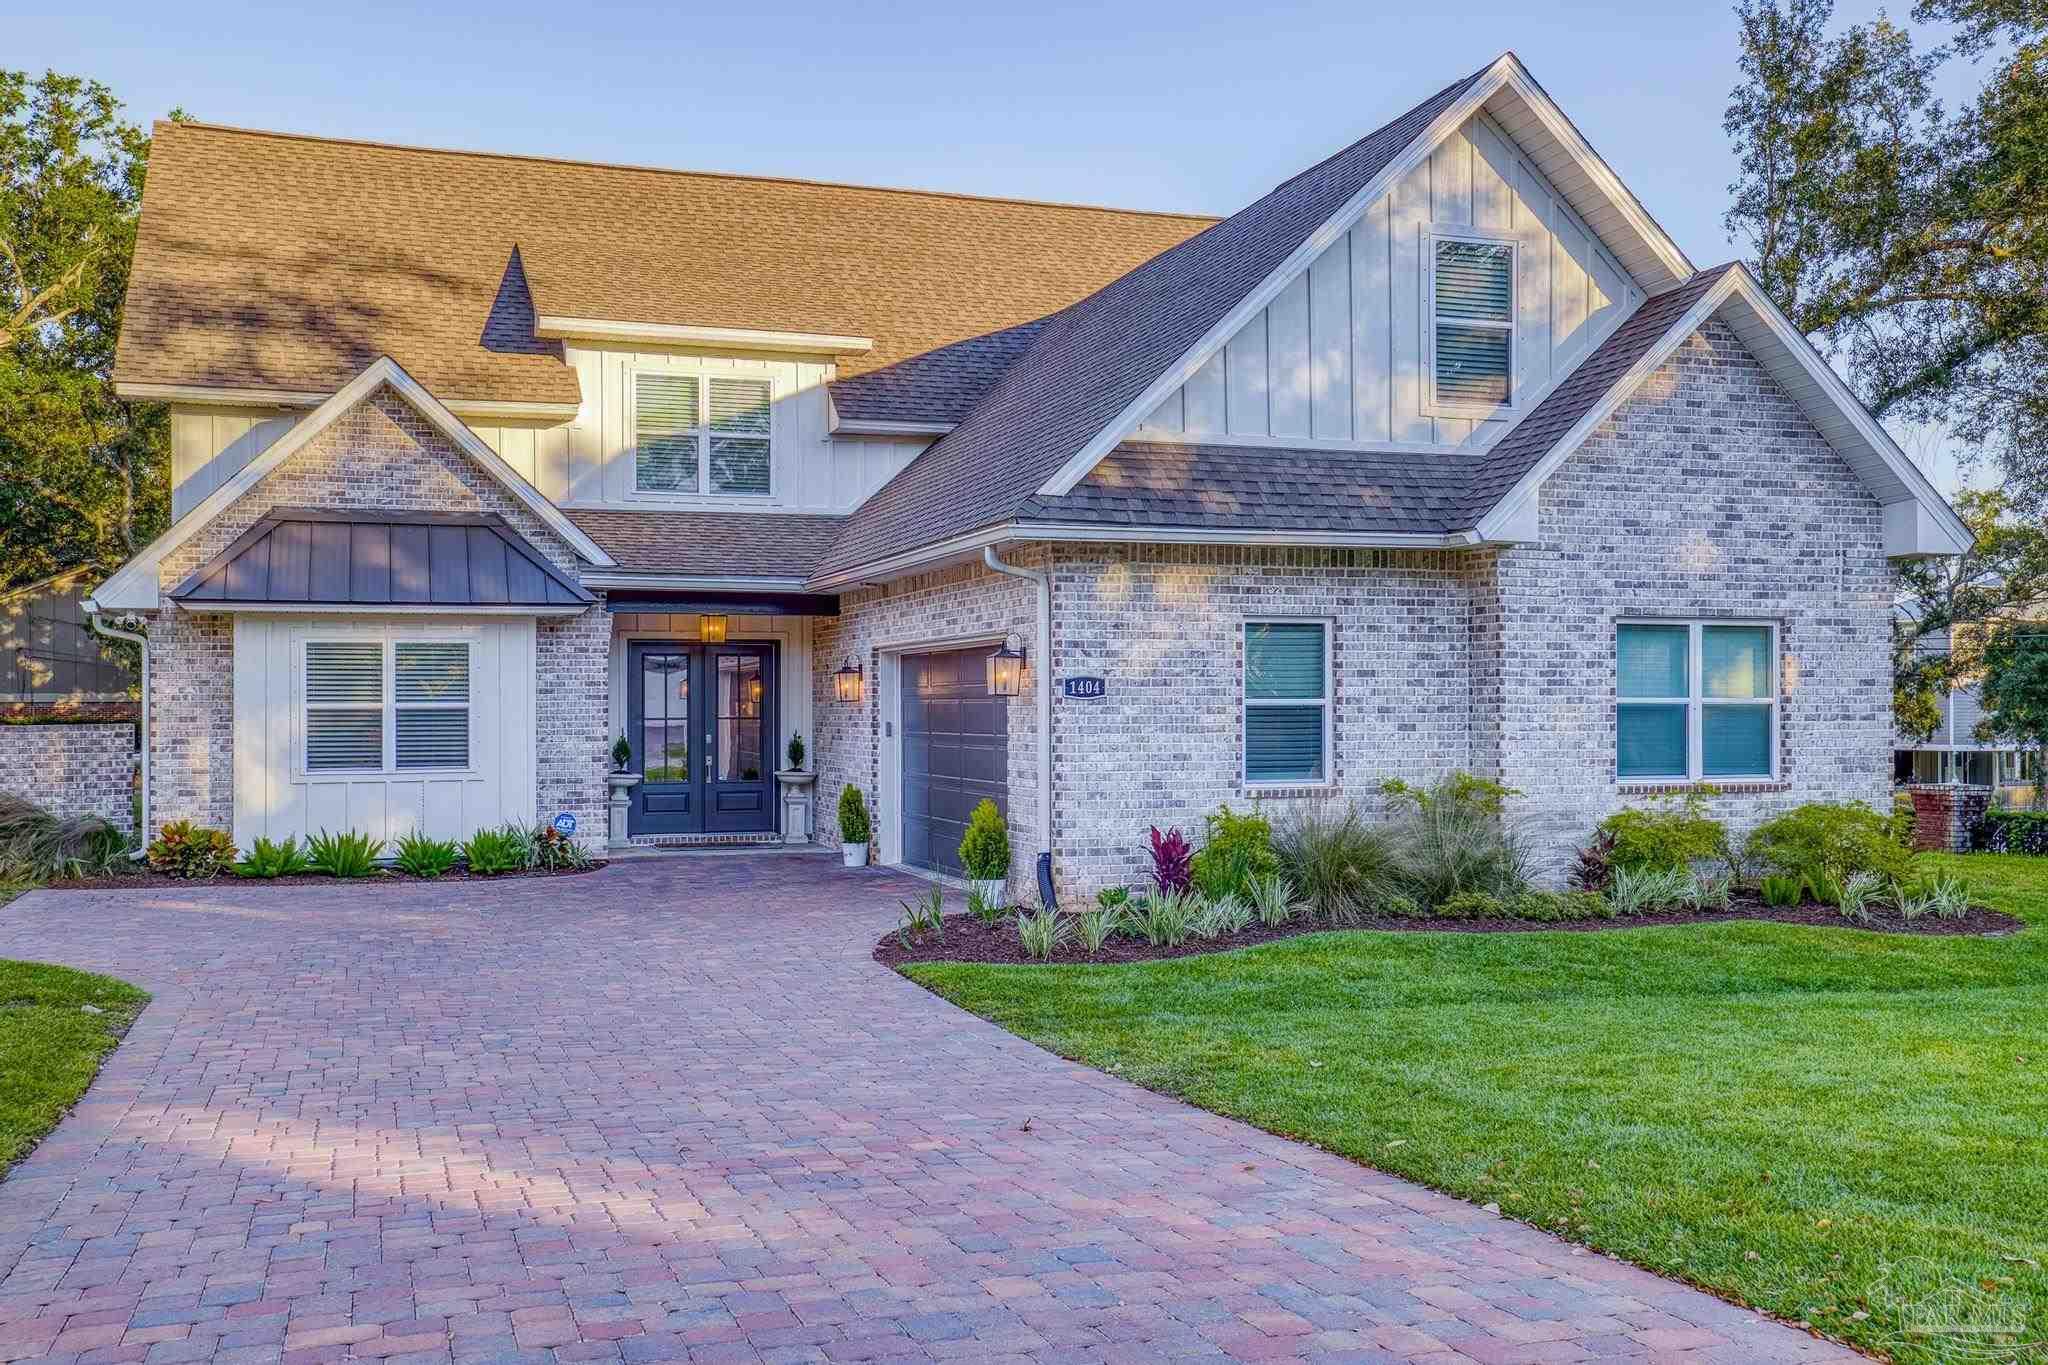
[[1954, 753], [1440, 455], [50, 656]]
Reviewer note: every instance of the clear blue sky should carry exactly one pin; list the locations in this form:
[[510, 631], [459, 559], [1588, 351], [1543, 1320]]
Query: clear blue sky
[[1186, 106]]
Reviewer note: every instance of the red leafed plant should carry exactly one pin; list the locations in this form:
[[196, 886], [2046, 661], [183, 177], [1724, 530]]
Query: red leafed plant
[[1172, 860]]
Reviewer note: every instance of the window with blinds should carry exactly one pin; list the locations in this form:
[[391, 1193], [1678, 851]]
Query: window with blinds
[[364, 695], [1473, 305], [1695, 700], [701, 434], [1286, 702]]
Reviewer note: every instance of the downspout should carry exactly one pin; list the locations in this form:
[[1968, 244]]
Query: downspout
[[141, 642], [1041, 673]]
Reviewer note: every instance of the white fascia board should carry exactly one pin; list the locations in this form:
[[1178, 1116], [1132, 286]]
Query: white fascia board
[[680, 334], [678, 582], [133, 587], [872, 427], [1506, 74], [203, 395]]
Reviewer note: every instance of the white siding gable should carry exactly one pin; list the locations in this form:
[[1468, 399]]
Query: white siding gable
[[1339, 355]]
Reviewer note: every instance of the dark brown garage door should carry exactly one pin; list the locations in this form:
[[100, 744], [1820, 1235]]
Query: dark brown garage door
[[956, 752]]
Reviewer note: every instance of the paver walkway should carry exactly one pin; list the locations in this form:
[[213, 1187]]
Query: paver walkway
[[672, 1111]]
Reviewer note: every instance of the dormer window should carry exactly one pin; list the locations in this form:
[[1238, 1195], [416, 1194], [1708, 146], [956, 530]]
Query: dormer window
[[701, 434], [1472, 332]]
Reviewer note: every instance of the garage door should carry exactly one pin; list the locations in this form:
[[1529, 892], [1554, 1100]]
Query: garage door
[[956, 752]]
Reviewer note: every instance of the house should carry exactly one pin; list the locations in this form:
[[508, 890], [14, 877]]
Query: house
[[49, 655], [1439, 455], [1954, 753]]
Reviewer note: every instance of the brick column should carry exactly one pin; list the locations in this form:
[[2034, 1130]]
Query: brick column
[[1944, 815]]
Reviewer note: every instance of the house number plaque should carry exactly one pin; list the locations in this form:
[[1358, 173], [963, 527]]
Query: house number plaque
[[1084, 689]]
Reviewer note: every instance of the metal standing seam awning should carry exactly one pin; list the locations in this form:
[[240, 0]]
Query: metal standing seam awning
[[308, 559]]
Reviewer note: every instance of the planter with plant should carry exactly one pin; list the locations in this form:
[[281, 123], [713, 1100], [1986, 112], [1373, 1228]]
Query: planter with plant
[[985, 853], [853, 826], [795, 752], [622, 753]]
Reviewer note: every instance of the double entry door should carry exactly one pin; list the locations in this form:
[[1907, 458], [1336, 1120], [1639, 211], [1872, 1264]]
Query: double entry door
[[701, 720]]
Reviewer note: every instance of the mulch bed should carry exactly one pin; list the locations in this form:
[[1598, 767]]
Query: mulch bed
[[146, 881], [967, 940]]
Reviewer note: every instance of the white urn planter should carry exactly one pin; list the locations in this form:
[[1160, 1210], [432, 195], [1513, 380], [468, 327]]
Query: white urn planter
[[856, 855], [622, 785], [993, 890], [796, 804]]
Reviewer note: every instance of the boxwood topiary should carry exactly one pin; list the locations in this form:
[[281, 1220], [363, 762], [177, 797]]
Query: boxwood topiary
[[853, 815], [985, 847]]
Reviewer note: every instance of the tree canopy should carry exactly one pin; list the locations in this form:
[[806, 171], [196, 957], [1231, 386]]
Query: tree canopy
[[83, 475], [1909, 240]]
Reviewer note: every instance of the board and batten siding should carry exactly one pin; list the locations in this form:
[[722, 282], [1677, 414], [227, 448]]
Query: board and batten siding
[[1338, 356], [588, 461], [274, 797]]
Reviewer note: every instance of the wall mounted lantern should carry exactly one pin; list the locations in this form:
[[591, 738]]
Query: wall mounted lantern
[[1006, 668], [846, 682], [711, 630]]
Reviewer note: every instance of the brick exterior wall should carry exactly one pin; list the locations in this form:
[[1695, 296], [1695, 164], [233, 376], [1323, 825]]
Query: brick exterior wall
[[933, 610], [1708, 494], [1945, 816], [382, 455], [72, 769]]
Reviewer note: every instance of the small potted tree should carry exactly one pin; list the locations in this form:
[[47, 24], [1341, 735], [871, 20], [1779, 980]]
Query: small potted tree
[[853, 826], [796, 793], [985, 854], [621, 779]]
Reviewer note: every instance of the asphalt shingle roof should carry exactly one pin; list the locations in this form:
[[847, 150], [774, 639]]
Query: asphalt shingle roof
[[770, 544], [1092, 360], [269, 260]]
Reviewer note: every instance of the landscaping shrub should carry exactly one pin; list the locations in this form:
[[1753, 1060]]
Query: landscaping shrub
[[1113, 895], [183, 849], [2012, 831], [1639, 891], [1272, 899], [985, 847], [1829, 840], [1903, 819], [1339, 865], [268, 859], [1558, 907], [420, 856], [1039, 934], [853, 815], [36, 846], [350, 853], [925, 915], [1236, 849], [1665, 835], [982, 908], [1857, 895], [1403, 907], [555, 850], [1171, 861], [1223, 916], [1594, 870], [1471, 905], [1164, 919], [1450, 837], [490, 852], [1781, 892], [1098, 925], [1711, 893]]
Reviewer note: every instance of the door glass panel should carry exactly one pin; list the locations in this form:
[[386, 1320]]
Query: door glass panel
[[742, 698], [665, 717]]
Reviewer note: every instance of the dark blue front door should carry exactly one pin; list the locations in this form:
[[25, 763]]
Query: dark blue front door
[[700, 719]]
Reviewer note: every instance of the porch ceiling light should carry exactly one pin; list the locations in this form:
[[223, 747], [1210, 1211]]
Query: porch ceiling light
[[846, 682], [711, 630], [1006, 668]]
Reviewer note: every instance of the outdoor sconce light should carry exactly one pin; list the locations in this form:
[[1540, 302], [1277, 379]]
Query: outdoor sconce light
[[711, 630], [1006, 669], [846, 682]]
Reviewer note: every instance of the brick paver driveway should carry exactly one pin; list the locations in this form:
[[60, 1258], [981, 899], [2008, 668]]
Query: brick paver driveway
[[673, 1111]]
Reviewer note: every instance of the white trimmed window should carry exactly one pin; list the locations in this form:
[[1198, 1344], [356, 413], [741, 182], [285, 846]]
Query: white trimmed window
[[377, 706], [1696, 701], [701, 433], [1286, 702], [1472, 323]]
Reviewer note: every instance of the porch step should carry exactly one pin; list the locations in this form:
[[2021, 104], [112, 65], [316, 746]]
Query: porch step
[[767, 838]]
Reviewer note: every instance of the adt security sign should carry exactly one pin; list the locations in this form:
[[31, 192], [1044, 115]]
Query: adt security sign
[[565, 823], [1084, 689]]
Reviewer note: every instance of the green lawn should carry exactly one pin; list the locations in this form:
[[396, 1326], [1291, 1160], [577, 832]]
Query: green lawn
[[51, 1045], [1824, 1123]]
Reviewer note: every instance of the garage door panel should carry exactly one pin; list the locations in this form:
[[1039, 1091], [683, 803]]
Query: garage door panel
[[956, 752]]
